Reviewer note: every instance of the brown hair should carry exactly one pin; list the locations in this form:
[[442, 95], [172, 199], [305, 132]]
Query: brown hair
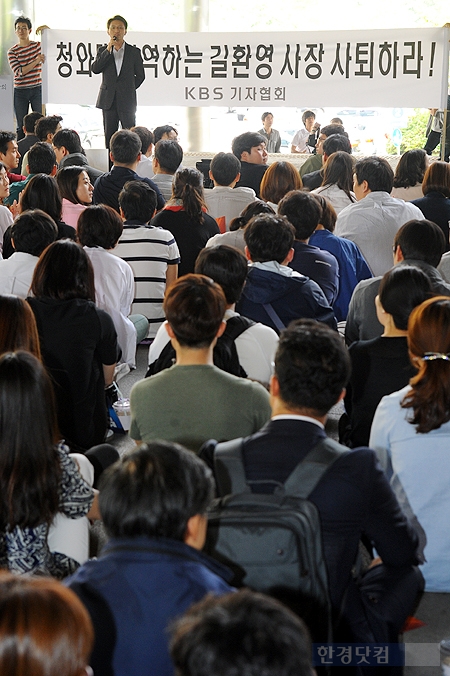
[[194, 306], [18, 330], [428, 335], [64, 271], [279, 179], [44, 628], [329, 215], [338, 170], [437, 179]]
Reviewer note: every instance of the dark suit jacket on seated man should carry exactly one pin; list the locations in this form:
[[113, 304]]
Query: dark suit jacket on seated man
[[353, 497], [122, 73], [125, 154], [274, 293]]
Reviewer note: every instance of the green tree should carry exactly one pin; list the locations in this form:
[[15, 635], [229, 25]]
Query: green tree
[[413, 135]]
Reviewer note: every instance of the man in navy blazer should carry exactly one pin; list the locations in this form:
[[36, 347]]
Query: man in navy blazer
[[122, 73], [353, 497]]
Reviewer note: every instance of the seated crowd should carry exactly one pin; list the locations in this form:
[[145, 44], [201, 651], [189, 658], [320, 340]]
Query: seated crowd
[[266, 301]]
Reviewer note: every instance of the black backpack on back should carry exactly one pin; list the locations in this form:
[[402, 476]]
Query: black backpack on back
[[272, 542], [225, 353]]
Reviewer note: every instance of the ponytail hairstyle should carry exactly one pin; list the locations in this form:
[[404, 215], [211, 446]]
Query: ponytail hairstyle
[[253, 209], [429, 351], [188, 187]]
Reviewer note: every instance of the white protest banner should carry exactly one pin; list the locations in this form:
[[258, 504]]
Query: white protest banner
[[367, 68]]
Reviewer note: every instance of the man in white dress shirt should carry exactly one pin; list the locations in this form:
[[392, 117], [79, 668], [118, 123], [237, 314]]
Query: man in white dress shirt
[[225, 201], [374, 219]]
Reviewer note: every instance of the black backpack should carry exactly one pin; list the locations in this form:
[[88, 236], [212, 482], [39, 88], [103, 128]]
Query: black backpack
[[225, 353], [272, 542]]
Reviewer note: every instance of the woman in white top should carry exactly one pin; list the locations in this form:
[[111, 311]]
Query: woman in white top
[[5, 215], [337, 181], [99, 230], [76, 191], [409, 175], [411, 435]]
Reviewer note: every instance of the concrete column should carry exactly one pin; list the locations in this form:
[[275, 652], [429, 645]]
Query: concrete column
[[196, 19]]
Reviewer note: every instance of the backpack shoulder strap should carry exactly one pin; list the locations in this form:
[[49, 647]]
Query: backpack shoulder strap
[[229, 469], [305, 477], [268, 307], [236, 326]]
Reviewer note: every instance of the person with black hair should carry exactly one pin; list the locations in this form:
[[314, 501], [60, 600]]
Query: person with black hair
[[382, 365], [274, 293], [235, 235], [153, 505], [41, 193], [40, 159], [304, 212], [145, 168], [194, 400], [9, 155], [256, 343], [312, 368], [125, 153], [337, 142], [165, 133], [30, 138], [352, 266], [122, 72], [250, 150], [25, 60], [225, 201], [76, 191], [31, 233], [272, 136], [337, 182], [314, 163], [185, 217], [239, 634], [167, 160], [69, 153], [78, 341], [374, 219], [6, 218], [45, 129], [418, 242], [99, 229], [305, 139], [151, 252]]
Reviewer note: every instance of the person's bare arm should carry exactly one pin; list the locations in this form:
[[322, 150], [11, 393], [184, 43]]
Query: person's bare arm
[[171, 274], [294, 150], [108, 373]]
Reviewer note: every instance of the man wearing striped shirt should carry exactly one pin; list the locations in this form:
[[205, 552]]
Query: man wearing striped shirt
[[26, 61], [152, 252]]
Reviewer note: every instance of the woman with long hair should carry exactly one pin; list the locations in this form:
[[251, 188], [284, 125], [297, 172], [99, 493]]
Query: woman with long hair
[[381, 365], [411, 434], [409, 175], [38, 479], [78, 341], [41, 192], [337, 183], [435, 204], [185, 217], [279, 179], [76, 191], [44, 628], [235, 236], [18, 330], [352, 265]]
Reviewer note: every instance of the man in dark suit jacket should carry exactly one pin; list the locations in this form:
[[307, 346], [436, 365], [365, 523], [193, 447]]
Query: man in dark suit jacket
[[353, 496], [122, 73]]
